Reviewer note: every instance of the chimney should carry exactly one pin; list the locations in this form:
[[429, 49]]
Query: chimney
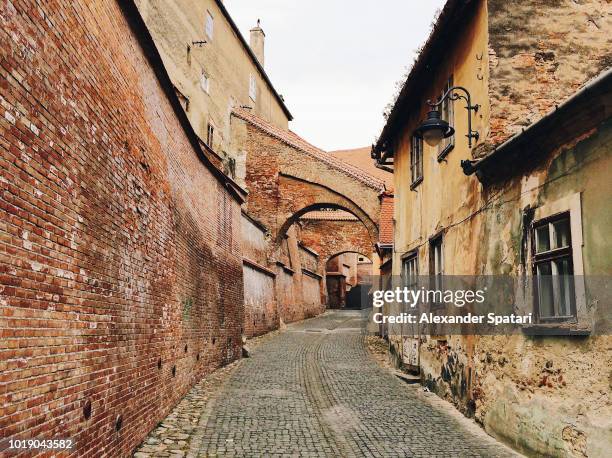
[[257, 42]]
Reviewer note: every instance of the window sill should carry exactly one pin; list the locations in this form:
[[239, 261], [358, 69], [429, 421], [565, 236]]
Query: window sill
[[569, 328], [447, 149], [415, 183]]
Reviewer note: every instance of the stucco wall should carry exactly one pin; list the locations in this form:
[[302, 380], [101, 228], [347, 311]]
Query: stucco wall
[[260, 311], [545, 395], [175, 24]]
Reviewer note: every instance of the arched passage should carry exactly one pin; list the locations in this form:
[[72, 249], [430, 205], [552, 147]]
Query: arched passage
[[348, 277], [297, 198], [286, 178]]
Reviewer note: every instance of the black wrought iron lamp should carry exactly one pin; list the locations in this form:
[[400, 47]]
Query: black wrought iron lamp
[[434, 128]]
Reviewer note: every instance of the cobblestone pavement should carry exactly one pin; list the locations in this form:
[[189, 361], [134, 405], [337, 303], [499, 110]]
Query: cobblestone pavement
[[315, 390]]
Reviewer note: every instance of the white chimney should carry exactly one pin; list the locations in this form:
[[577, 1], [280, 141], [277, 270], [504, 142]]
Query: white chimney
[[257, 42]]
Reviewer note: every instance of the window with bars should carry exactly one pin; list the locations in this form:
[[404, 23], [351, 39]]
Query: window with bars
[[416, 161], [553, 269], [447, 114]]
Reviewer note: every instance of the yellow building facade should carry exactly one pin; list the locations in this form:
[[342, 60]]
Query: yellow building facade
[[214, 70], [449, 223]]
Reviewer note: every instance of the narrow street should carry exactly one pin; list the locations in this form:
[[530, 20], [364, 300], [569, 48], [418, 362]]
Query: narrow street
[[315, 390]]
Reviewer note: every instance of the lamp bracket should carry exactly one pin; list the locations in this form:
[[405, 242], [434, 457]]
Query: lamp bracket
[[464, 94]]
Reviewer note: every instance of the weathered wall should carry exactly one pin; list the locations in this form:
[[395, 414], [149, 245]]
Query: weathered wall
[[174, 25], [286, 177], [260, 307], [534, 392], [557, 388], [540, 53], [336, 290], [329, 238], [114, 265], [506, 382], [254, 240]]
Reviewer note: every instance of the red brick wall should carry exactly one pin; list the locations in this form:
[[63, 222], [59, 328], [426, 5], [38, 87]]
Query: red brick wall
[[329, 238], [118, 247]]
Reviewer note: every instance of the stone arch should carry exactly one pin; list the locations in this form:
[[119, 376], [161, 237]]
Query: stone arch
[[298, 197]]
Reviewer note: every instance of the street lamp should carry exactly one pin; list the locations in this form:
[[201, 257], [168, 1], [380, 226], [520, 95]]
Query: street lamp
[[434, 128]]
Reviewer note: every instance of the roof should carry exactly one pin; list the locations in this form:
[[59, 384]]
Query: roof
[[333, 215], [361, 158], [385, 233], [147, 44], [451, 18], [584, 110], [295, 141], [253, 57]]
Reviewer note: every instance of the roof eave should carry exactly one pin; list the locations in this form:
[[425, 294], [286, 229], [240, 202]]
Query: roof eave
[[446, 25]]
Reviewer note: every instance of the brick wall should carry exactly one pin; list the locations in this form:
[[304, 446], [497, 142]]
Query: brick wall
[[120, 266], [329, 238], [563, 44]]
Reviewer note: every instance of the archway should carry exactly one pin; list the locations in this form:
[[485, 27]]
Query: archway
[[348, 277]]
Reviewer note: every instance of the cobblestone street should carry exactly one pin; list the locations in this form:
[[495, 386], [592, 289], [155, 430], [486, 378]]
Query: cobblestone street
[[315, 390]]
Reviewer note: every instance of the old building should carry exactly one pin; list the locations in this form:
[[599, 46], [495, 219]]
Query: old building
[[538, 143], [214, 70], [113, 269]]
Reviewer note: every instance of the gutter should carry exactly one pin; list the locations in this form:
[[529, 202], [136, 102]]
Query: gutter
[[147, 45], [251, 54]]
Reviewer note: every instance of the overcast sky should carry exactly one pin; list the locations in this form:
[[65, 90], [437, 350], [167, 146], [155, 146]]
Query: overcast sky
[[336, 61]]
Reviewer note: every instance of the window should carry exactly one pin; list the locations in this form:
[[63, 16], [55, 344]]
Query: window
[[210, 25], [436, 262], [553, 268], [210, 135], [416, 161], [446, 113], [205, 83], [183, 99], [410, 271], [252, 88]]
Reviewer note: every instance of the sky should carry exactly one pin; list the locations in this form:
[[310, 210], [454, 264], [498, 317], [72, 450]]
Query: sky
[[336, 62]]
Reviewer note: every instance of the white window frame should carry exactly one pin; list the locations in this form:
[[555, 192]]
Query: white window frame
[[210, 137], [209, 25], [571, 204]]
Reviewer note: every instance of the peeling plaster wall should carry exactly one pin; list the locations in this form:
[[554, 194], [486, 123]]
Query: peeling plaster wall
[[260, 307], [548, 396], [545, 395], [260, 310], [541, 52]]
